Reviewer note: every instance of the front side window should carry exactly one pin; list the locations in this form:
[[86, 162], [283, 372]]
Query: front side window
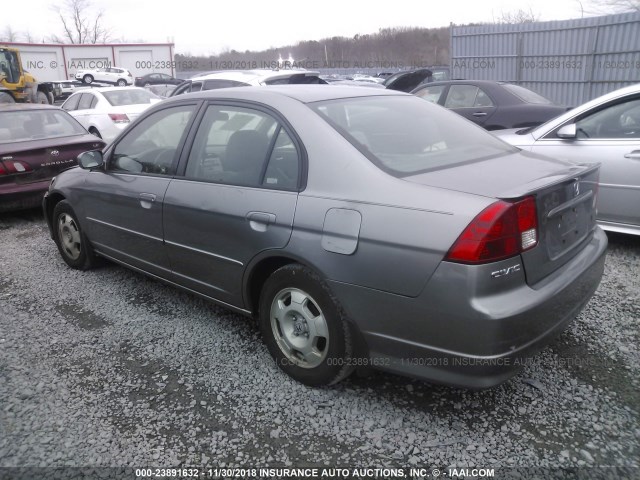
[[85, 101], [72, 102], [619, 121], [404, 135], [242, 146], [431, 94], [151, 146]]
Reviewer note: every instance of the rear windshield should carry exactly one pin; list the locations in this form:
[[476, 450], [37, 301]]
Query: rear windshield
[[527, 95], [404, 135], [20, 126], [129, 97], [297, 79]]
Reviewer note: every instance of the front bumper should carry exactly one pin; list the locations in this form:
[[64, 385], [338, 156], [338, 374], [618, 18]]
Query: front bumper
[[460, 331]]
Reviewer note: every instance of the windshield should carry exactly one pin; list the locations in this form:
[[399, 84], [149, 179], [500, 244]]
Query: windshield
[[527, 95], [404, 135], [123, 96], [19, 126]]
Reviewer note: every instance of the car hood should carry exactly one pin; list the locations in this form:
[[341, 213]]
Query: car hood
[[510, 176]]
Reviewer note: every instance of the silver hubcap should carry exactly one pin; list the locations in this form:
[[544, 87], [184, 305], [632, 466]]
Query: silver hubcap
[[69, 235], [299, 328]]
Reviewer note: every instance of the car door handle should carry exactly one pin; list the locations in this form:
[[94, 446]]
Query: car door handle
[[146, 199], [635, 155], [260, 221], [479, 114]]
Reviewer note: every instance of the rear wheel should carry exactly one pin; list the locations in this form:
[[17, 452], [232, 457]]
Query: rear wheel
[[122, 83], [304, 327], [72, 243], [87, 79], [6, 98]]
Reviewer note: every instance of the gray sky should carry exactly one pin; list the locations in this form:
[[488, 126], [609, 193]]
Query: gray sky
[[203, 27]]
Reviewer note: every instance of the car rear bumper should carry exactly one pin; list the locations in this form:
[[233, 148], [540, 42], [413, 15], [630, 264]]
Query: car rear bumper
[[21, 197], [459, 333]]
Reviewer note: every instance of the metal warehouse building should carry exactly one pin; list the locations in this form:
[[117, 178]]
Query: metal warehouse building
[[569, 61], [50, 62]]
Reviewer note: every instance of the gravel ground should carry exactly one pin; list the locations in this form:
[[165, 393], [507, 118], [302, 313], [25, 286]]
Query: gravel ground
[[109, 368]]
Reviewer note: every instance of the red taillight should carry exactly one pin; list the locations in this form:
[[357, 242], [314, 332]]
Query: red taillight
[[119, 117], [500, 231], [9, 167]]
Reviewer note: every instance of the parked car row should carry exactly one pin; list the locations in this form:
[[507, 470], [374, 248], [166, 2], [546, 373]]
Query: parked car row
[[286, 202], [351, 234]]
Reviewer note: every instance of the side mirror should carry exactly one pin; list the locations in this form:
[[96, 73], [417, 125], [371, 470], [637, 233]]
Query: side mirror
[[90, 160], [567, 131]]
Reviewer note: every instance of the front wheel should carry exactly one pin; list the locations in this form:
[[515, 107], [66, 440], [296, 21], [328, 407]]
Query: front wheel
[[304, 327], [6, 98], [87, 79], [72, 243]]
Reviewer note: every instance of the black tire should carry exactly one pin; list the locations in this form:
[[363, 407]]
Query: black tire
[[334, 353], [75, 249], [42, 98], [94, 131], [87, 79], [122, 83], [6, 98]]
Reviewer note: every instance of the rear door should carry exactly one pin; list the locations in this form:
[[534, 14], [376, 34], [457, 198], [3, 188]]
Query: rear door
[[237, 198], [123, 204], [471, 102], [609, 135]]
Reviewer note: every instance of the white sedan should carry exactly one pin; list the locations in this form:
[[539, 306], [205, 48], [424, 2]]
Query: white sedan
[[107, 111], [113, 75]]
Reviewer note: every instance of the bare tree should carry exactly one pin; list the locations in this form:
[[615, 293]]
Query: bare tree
[[612, 6], [9, 35], [517, 16], [81, 23]]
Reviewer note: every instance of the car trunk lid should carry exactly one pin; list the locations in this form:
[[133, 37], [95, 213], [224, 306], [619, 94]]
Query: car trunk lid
[[36, 161], [565, 195]]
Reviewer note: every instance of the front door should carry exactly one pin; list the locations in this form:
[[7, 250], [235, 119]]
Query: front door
[[123, 204]]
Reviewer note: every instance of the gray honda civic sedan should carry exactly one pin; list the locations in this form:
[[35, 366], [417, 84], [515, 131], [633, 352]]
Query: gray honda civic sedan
[[360, 227]]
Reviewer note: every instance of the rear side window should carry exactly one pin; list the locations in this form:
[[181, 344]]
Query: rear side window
[[243, 146], [404, 135]]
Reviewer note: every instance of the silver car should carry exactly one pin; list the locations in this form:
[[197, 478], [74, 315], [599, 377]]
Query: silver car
[[361, 227], [606, 131]]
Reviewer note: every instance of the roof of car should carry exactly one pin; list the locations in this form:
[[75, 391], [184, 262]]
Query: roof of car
[[27, 106], [250, 75], [109, 89], [301, 93], [465, 82]]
